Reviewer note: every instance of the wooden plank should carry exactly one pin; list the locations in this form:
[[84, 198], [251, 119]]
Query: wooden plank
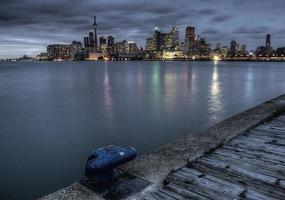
[[281, 117], [269, 139], [255, 144], [197, 187], [244, 163], [206, 181], [269, 127], [239, 171], [267, 134], [263, 139], [269, 131], [256, 149], [227, 187], [170, 193], [250, 185], [276, 123], [160, 196], [265, 156], [184, 193]]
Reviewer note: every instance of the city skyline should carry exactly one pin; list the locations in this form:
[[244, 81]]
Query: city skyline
[[40, 24]]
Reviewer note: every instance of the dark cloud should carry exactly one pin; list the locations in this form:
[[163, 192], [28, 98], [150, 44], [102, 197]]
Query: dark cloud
[[29, 25], [221, 18]]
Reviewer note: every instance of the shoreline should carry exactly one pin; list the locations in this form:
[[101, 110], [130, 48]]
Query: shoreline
[[152, 60]]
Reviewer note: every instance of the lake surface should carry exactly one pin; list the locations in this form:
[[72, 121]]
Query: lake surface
[[53, 114]]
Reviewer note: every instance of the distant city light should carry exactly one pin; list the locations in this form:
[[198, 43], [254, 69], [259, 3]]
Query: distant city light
[[161, 45], [216, 58]]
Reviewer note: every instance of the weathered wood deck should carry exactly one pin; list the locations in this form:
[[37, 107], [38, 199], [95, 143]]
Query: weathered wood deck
[[251, 166]]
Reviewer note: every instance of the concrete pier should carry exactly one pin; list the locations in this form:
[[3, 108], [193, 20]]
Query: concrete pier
[[159, 166]]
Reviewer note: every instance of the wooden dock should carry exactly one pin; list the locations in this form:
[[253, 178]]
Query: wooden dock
[[251, 166]]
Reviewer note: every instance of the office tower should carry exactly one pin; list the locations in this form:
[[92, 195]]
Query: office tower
[[133, 49], [189, 39], [102, 40], [233, 48], [175, 37], [158, 38], [75, 47], [91, 39], [86, 42], [111, 45], [243, 49], [268, 41], [95, 33], [111, 41], [56, 51], [150, 44], [103, 48]]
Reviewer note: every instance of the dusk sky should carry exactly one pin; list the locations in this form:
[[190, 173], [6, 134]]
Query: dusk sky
[[27, 26]]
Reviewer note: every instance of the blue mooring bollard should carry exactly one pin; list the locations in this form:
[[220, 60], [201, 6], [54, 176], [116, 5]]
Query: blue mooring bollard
[[101, 163]]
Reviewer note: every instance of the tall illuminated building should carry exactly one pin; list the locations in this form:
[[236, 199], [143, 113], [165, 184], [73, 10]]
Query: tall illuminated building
[[86, 42], [91, 39], [189, 39], [175, 37], [95, 33], [268, 41]]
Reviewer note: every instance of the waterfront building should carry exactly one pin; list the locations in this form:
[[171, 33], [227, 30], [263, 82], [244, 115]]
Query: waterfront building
[[103, 47], [233, 49], [189, 40], [267, 50], [91, 39], [150, 45], [75, 47], [58, 51], [111, 45], [163, 41], [133, 49], [172, 55], [268, 41], [201, 48], [158, 38], [280, 52], [86, 42], [243, 50], [81, 55], [42, 57], [95, 56], [175, 37], [119, 48], [102, 40]]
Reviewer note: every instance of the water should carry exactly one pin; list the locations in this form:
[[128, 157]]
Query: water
[[53, 114]]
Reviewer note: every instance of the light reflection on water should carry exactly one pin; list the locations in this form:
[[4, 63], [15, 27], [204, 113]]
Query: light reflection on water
[[108, 101], [215, 97], [53, 114]]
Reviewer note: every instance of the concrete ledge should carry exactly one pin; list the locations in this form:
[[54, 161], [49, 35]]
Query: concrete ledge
[[157, 164]]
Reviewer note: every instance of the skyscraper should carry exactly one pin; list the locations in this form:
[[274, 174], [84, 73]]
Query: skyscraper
[[111, 45], [95, 33], [175, 37], [86, 42], [233, 48], [268, 41], [102, 40], [91, 39], [111, 40], [189, 39]]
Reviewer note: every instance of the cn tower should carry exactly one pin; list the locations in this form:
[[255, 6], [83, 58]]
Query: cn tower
[[95, 33]]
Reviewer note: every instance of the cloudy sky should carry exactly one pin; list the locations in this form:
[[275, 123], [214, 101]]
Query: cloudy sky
[[27, 26]]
